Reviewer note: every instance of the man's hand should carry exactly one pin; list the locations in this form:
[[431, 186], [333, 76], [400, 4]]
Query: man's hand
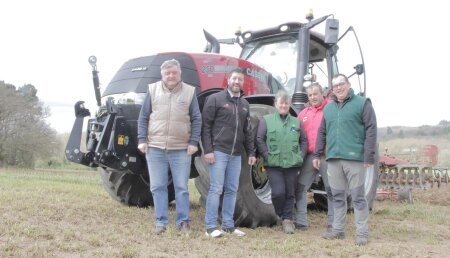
[[143, 147], [316, 163], [367, 165], [251, 160], [209, 158], [191, 149]]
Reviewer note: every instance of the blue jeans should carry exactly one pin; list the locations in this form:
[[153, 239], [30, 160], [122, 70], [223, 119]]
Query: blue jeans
[[159, 161], [223, 176]]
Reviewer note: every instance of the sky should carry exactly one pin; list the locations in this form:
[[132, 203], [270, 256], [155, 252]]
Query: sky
[[47, 43]]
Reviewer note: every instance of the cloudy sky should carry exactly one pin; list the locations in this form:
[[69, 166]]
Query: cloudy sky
[[47, 43]]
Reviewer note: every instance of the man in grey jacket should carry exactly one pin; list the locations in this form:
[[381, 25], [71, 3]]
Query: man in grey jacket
[[349, 132], [169, 127]]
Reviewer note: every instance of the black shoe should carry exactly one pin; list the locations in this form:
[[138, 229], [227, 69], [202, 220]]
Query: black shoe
[[300, 227]]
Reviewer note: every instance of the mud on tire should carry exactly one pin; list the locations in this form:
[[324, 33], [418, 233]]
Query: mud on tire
[[129, 188]]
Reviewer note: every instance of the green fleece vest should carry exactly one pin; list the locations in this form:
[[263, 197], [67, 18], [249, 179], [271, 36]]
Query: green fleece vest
[[345, 129], [282, 141]]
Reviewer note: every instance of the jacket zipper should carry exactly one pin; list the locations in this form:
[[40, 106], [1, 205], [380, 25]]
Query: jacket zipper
[[237, 125], [168, 120]]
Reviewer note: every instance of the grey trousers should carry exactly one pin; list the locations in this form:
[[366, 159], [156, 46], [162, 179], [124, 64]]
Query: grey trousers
[[344, 176], [307, 175]]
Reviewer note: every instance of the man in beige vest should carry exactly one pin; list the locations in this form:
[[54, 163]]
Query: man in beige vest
[[169, 127]]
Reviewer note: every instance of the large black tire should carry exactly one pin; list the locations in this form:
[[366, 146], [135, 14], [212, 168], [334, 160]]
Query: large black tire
[[129, 188], [320, 199], [253, 203]]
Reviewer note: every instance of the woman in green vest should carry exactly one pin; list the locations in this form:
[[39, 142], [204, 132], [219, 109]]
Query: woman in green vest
[[282, 142]]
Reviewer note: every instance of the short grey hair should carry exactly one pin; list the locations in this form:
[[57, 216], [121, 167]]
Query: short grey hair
[[341, 75], [315, 85], [170, 63], [283, 96]]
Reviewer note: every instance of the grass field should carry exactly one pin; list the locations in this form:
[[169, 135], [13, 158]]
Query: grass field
[[47, 213]]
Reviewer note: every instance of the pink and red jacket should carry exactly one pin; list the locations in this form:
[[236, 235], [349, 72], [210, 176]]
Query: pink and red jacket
[[311, 117]]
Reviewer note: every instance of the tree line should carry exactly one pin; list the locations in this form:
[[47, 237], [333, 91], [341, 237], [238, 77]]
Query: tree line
[[25, 136]]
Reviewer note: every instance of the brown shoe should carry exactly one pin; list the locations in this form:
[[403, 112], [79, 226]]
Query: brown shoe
[[329, 228], [159, 230], [288, 226], [360, 241], [333, 235], [185, 228]]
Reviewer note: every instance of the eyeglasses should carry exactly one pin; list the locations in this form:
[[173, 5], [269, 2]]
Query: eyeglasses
[[341, 84]]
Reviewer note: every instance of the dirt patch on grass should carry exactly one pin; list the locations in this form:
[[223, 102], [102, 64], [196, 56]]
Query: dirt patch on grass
[[433, 196]]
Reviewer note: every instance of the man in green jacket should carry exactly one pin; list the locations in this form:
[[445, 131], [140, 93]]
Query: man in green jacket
[[349, 133]]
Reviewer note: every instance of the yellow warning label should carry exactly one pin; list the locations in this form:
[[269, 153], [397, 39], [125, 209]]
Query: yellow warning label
[[120, 139]]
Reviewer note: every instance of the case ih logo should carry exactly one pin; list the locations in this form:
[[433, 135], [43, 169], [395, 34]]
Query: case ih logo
[[260, 75], [217, 68]]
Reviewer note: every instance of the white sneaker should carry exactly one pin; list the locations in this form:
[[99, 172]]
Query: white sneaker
[[235, 232], [215, 234]]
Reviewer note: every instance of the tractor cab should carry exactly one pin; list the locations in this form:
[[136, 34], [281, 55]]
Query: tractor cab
[[296, 55]]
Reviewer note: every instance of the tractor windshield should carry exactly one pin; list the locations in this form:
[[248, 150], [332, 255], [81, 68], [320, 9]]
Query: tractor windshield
[[279, 57]]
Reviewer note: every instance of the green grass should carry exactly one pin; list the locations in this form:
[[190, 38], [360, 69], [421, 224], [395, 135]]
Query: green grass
[[48, 213]]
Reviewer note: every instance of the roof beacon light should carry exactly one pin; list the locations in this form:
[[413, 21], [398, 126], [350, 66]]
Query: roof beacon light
[[310, 15]]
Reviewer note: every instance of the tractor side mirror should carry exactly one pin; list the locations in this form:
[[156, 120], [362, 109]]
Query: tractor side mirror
[[331, 31]]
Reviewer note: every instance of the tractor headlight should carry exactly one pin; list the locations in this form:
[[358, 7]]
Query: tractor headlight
[[129, 98]]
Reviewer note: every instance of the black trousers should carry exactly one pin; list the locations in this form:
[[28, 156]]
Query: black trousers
[[283, 182]]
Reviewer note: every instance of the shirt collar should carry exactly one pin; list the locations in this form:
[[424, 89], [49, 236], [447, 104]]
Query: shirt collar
[[231, 94]]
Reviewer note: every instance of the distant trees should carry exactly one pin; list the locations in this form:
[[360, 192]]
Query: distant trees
[[444, 123], [401, 134], [389, 131], [24, 134]]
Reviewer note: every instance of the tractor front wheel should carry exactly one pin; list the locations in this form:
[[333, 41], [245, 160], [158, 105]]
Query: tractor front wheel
[[129, 188]]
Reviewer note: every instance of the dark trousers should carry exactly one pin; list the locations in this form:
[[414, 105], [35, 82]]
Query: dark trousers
[[283, 182]]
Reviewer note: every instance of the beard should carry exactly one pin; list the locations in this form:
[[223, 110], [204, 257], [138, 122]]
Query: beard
[[235, 88]]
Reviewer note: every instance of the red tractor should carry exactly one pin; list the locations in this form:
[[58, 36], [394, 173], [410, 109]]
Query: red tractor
[[289, 56]]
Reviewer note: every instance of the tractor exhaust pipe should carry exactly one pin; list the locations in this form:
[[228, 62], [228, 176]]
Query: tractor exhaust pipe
[[213, 45], [93, 62], [300, 97]]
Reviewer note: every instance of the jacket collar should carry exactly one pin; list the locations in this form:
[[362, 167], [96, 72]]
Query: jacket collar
[[230, 96], [321, 106], [351, 94], [177, 88]]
